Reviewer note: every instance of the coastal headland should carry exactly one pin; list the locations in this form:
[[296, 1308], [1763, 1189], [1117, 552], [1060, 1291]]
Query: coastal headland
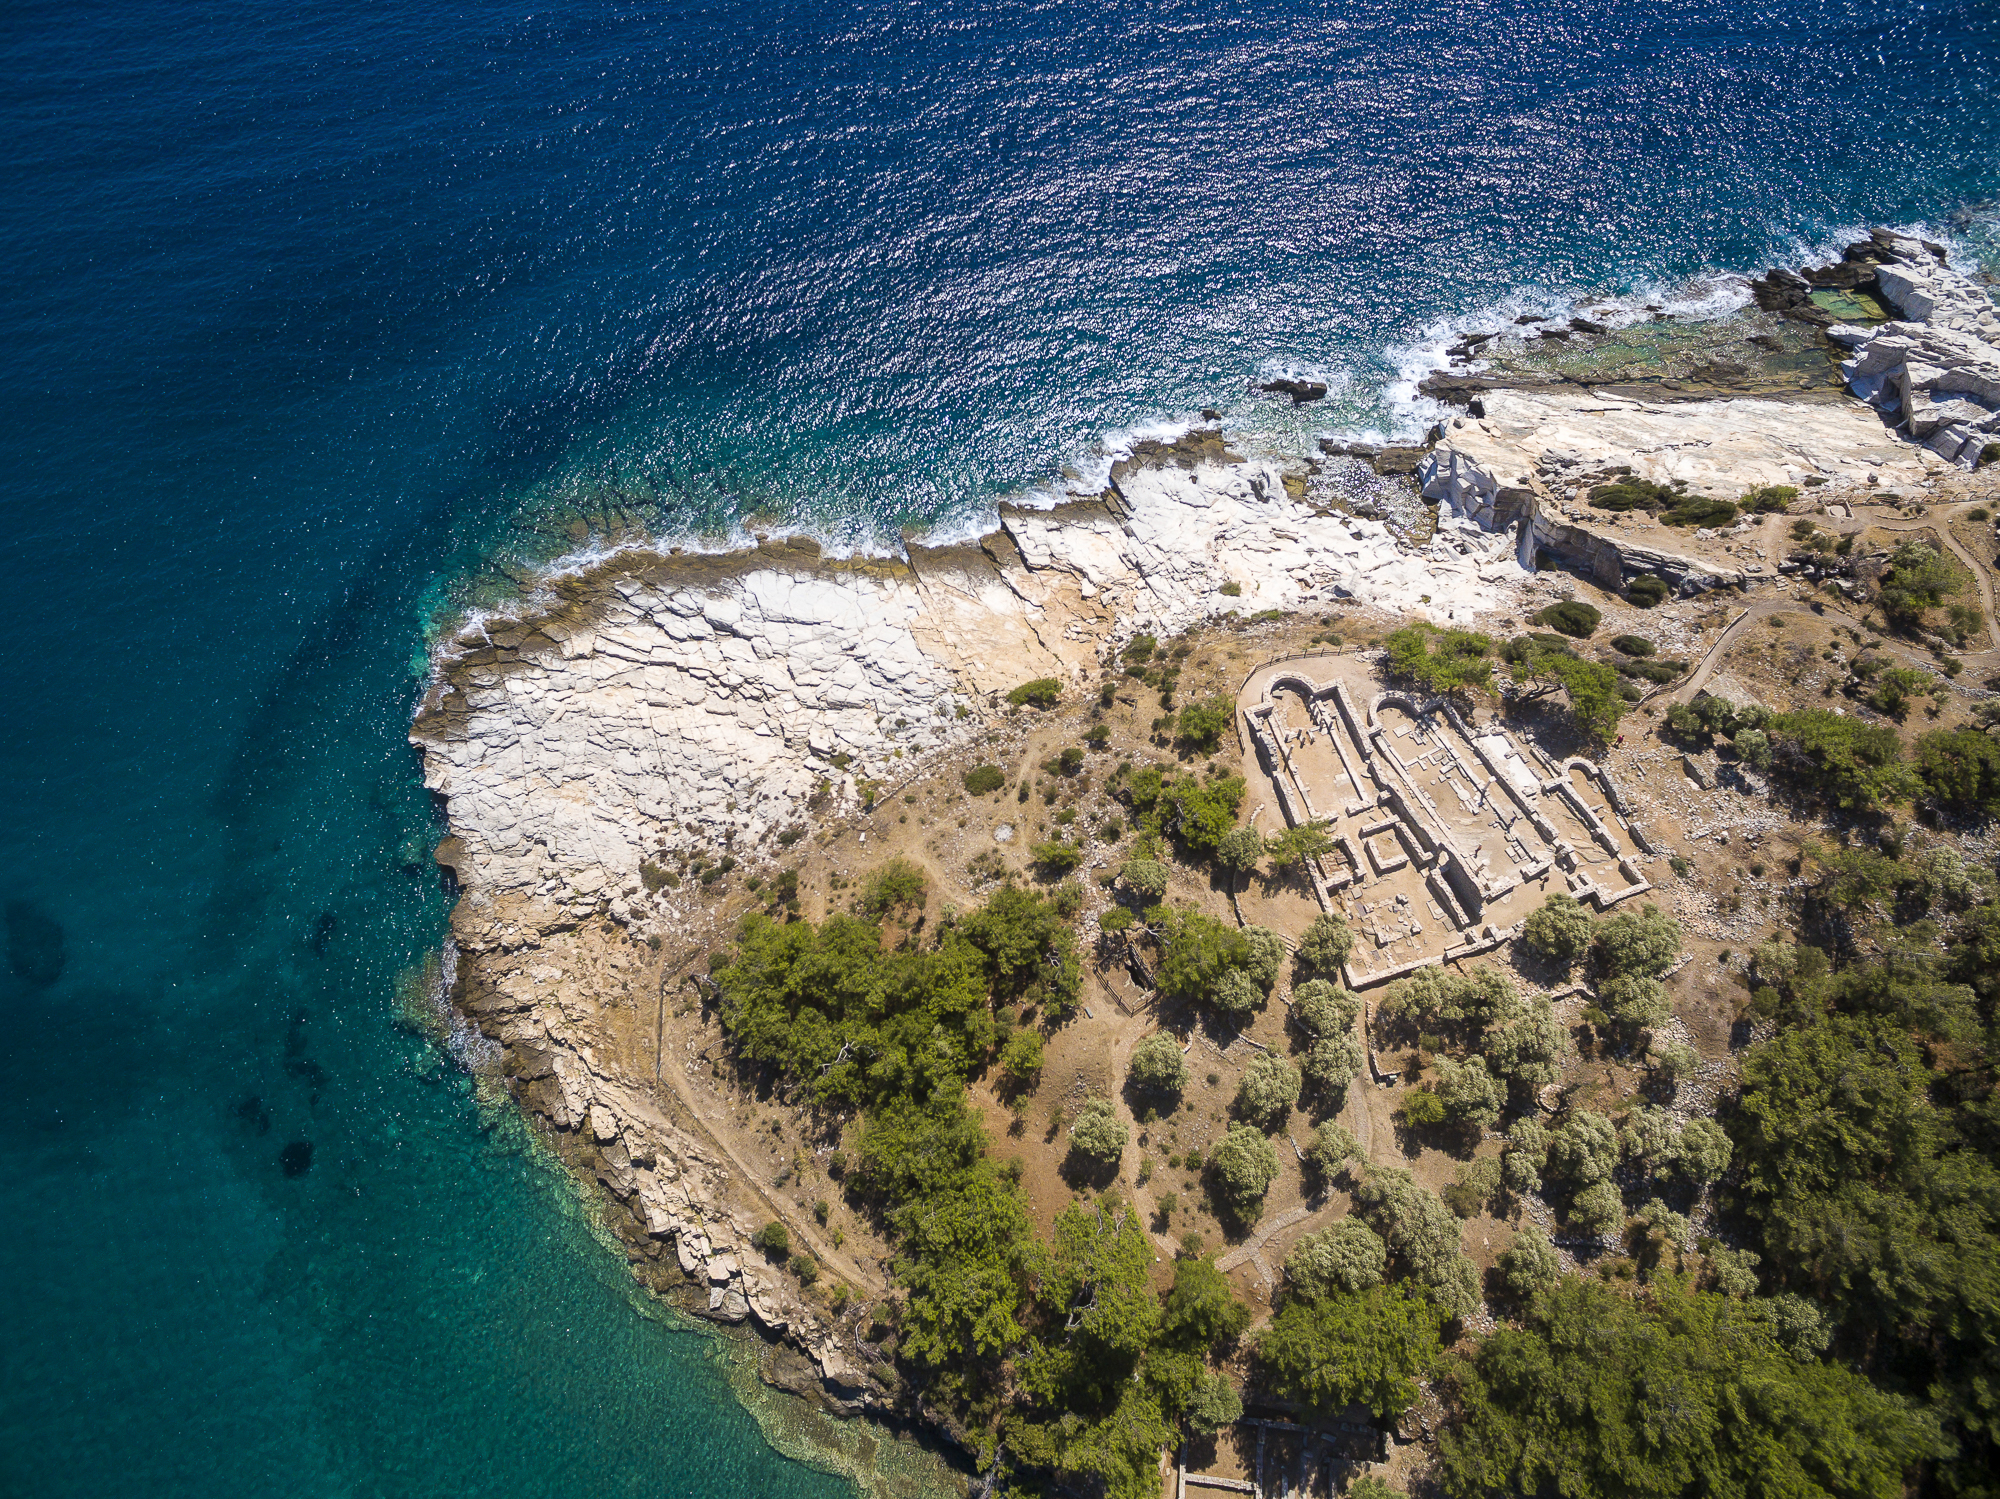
[[660, 743]]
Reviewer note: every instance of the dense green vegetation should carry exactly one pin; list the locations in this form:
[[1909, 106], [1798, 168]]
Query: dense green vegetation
[[1559, 930], [1194, 812], [1842, 761], [1104, 1372], [1346, 1348], [1672, 503], [1673, 1392], [1918, 578], [1200, 725], [1867, 1141]]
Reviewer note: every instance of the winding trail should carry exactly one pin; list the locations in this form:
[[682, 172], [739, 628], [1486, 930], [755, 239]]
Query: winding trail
[[1685, 690]]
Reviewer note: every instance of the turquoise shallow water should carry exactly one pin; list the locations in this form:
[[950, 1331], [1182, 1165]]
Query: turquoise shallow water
[[313, 310]]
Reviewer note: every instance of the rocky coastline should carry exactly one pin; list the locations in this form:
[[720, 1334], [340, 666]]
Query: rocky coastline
[[657, 704]]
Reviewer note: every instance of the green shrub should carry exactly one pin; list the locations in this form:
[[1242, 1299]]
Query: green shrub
[[1021, 1060], [1769, 499], [1420, 1109], [1472, 1186], [1117, 919], [1633, 645], [1043, 692], [1146, 878], [1231, 590], [1199, 951], [1200, 814], [1646, 591], [774, 1239], [1295, 845], [1918, 578], [1699, 510], [1240, 849], [1770, 1422], [1960, 769], [1442, 660], [1572, 617], [1631, 493], [982, 780], [1328, 1353], [896, 886], [1055, 856]]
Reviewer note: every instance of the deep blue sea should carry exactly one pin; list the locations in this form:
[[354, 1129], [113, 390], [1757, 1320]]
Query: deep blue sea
[[309, 312]]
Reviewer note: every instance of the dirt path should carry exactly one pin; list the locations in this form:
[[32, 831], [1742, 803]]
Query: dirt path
[[1698, 678], [710, 1108]]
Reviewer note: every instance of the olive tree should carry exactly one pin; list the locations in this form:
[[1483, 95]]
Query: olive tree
[[1145, 877], [1326, 944], [1098, 1132], [1675, 1062], [1633, 1000], [1332, 1063], [1559, 930], [1157, 1064], [1333, 1146], [1650, 1139], [1529, 1264], [1322, 1010], [1236, 993], [1527, 1155], [1704, 1151], [1269, 1088], [1583, 1149], [1644, 943], [1348, 1257], [1525, 1045], [1267, 955], [1469, 1093], [1423, 1236], [1244, 1166], [1597, 1210], [1240, 850]]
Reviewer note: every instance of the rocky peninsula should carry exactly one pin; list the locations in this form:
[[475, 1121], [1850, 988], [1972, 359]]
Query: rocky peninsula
[[658, 742]]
